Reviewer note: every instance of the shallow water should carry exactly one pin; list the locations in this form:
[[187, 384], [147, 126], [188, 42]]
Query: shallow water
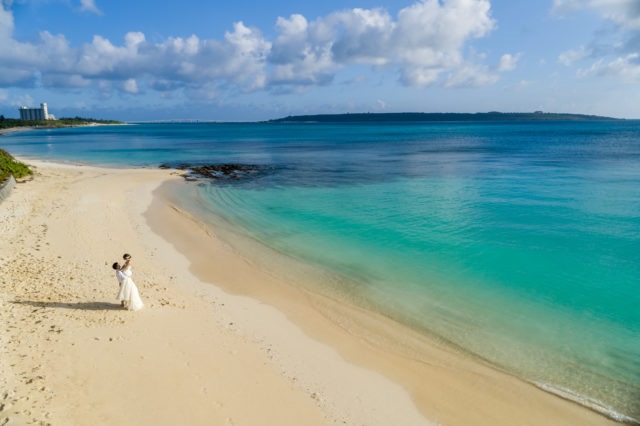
[[518, 242]]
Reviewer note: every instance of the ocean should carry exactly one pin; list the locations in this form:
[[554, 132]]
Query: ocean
[[517, 242]]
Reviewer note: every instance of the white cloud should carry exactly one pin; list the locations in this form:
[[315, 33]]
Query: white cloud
[[16, 78], [15, 101], [238, 59], [617, 58], [625, 13], [508, 62], [90, 6], [627, 68], [424, 42], [6, 23], [470, 76], [131, 86], [564, 7], [568, 57]]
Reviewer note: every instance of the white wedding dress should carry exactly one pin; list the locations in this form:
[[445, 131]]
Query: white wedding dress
[[129, 292]]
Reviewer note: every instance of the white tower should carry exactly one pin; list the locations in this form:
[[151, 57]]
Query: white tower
[[45, 114]]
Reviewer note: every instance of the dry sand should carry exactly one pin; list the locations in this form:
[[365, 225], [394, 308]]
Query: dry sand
[[200, 353]]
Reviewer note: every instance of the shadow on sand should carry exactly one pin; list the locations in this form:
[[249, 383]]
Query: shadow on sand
[[87, 306]]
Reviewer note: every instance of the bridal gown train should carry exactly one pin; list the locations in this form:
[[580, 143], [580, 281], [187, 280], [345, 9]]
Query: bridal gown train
[[129, 292]]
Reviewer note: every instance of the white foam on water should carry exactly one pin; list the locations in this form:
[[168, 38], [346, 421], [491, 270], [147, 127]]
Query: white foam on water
[[586, 401]]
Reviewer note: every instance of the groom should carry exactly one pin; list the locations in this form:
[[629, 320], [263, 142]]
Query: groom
[[120, 277]]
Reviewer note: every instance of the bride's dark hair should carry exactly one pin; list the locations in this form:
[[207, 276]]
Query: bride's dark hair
[[115, 265], [126, 256]]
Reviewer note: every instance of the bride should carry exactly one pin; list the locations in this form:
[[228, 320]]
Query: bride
[[128, 291]]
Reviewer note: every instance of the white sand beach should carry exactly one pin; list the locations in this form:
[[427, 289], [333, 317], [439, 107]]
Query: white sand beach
[[219, 342]]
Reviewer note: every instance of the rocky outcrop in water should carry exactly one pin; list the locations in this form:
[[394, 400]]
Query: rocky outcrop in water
[[228, 171]]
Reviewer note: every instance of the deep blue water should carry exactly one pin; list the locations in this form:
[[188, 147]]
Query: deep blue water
[[518, 242]]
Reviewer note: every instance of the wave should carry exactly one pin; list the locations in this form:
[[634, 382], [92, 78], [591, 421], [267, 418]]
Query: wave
[[586, 401]]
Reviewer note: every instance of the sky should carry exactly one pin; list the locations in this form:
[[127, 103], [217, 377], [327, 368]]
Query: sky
[[250, 60]]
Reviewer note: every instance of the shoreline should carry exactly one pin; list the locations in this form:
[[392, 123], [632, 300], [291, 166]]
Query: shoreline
[[293, 337], [70, 355], [10, 130], [343, 321], [361, 321]]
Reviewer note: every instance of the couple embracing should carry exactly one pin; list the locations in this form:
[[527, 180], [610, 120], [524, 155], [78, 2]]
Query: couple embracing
[[128, 296]]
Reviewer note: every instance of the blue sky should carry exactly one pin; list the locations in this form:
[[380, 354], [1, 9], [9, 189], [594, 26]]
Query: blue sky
[[248, 60]]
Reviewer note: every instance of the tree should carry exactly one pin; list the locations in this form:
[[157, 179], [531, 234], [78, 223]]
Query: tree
[[1, 117]]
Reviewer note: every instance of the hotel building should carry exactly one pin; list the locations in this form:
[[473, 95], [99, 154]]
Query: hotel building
[[35, 113]]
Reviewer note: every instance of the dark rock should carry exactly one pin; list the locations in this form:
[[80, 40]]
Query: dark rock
[[164, 166], [219, 171]]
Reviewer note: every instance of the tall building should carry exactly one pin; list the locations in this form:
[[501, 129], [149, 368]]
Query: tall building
[[35, 113]]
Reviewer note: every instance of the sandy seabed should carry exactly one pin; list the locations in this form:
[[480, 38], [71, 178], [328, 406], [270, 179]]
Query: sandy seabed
[[219, 342]]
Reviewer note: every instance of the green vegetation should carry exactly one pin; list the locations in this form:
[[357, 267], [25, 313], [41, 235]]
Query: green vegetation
[[9, 165], [438, 116], [80, 120], [6, 123]]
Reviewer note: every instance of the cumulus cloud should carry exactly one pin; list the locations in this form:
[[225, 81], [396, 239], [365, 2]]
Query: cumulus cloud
[[470, 76], [14, 101], [10, 77], [508, 62], [625, 13], [298, 55], [568, 57], [619, 58], [424, 43], [627, 68], [175, 62], [131, 86], [424, 40], [90, 6]]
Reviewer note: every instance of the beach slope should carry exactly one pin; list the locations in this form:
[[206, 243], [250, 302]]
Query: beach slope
[[197, 354], [71, 355]]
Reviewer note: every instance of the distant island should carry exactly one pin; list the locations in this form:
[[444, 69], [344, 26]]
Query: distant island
[[438, 116]]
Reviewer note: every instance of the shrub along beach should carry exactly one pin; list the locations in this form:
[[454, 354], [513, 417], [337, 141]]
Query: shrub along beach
[[9, 166]]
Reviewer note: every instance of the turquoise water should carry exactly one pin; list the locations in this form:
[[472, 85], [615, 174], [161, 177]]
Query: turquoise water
[[517, 242]]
